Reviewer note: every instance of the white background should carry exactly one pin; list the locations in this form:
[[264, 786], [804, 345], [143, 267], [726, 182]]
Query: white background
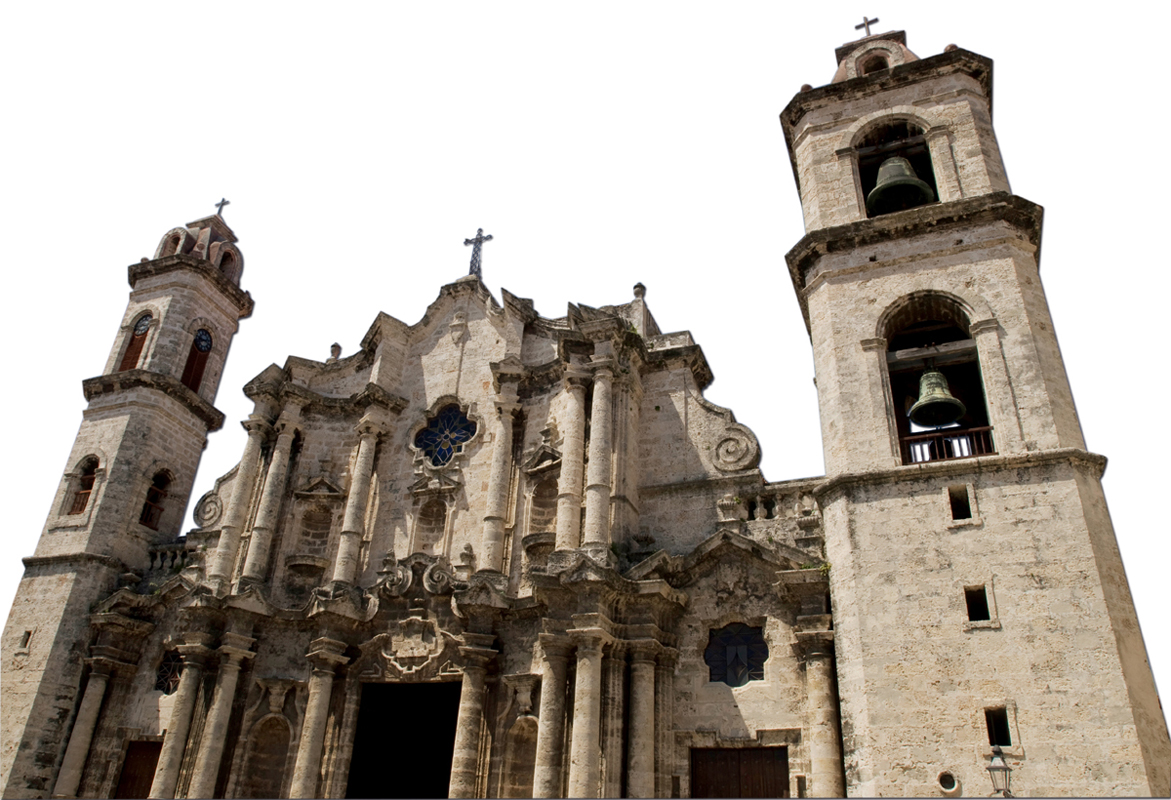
[[601, 144]]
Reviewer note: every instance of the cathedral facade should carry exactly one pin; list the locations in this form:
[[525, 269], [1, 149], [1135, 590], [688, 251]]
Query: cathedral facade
[[495, 554]]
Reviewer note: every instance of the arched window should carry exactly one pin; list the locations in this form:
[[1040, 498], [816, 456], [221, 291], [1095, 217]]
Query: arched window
[[267, 757], [168, 674], [935, 381], [196, 360], [543, 508], [905, 185], [874, 63], [136, 343], [445, 435], [431, 525], [156, 494], [85, 485]]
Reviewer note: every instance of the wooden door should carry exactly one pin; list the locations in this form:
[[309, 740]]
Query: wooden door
[[138, 770], [740, 772]]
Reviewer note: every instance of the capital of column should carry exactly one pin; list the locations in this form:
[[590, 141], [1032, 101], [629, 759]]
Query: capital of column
[[195, 655], [103, 666], [326, 654], [576, 378], [590, 641], [507, 408], [983, 326], [370, 425], [256, 426], [666, 657], [872, 345], [643, 651], [816, 644], [602, 367], [554, 645]]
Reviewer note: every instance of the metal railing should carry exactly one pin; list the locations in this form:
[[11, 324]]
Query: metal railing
[[947, 444]]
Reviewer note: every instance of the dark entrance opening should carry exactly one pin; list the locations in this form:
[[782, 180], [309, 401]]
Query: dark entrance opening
[[138, 770], [740, 772], [404, 740]]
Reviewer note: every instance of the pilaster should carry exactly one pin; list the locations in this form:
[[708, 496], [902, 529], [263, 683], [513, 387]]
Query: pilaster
[[325, 656], [234, 650]]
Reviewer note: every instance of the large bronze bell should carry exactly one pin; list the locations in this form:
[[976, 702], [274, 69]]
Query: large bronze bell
[[936, 406], [898, 188]]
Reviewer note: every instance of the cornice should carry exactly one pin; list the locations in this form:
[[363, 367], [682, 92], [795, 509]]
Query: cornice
[[173, 388], [241, 299]]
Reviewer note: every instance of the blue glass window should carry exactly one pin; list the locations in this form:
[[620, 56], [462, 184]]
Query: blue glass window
[[445, 435], [736, 654]]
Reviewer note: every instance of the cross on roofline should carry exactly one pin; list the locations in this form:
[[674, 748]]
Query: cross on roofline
[[477, 243], [219, 207], [866, 23]]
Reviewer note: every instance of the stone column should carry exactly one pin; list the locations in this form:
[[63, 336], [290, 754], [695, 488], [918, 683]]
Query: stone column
[[465, 760], [175, 737], [587, 714], [665, 721], [345, 565], [613, 714], [825, 751], [223, 561], [551, 716], [69, 777], [1007, 435], [640, 764], [572, 455], [234, 650], [624, 492], [596, 537], [271, 496], [492, 539], [325, 655]]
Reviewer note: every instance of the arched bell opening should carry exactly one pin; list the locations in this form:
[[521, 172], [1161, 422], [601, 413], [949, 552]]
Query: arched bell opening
[[935, 382], [895, 169]]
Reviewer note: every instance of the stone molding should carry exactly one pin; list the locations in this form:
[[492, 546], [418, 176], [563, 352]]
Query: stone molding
[[172, 387]]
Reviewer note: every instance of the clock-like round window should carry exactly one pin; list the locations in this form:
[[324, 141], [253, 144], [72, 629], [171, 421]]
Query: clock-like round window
[[445, 435], [202, 340], [143, 324]]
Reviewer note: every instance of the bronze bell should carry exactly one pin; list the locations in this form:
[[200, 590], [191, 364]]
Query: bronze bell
[[936, 406], [898, 188]]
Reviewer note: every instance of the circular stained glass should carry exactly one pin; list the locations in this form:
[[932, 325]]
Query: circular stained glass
[[445, 435], [202, 340], [142, 325]]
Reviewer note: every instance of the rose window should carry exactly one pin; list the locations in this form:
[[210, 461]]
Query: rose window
[[445, 435]]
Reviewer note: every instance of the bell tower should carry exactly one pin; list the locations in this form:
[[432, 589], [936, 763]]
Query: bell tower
[[980, 605], [124, 490]]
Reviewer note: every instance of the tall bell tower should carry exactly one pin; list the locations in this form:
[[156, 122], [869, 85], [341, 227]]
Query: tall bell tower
[[125, 487], [980, 605]]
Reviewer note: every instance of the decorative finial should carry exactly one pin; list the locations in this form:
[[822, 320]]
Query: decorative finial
[[219, 207], [335, 352], [866, 23], [639, 291], [476, 244]]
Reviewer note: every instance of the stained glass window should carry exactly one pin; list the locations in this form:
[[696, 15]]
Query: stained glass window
[[445, 435], [736, 654], [167, 677]]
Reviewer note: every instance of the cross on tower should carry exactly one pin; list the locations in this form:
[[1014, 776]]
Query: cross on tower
[[866, 23], [219, 207], [476, 244]]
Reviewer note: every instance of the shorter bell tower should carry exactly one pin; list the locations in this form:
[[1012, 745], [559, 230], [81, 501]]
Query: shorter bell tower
[[979, 601], [124, 489]]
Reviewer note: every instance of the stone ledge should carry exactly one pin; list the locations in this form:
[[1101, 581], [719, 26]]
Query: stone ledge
[[136, 378], [160, 266]]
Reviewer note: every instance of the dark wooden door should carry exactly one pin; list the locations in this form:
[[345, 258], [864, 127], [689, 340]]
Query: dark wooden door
[[748, 772], [138, 770]]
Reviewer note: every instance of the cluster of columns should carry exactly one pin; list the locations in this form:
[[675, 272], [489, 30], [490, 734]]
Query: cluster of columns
[[595, 538], [596, 655]]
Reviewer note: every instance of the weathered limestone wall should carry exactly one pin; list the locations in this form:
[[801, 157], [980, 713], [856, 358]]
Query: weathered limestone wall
[[966, 157], [916, 675], [993, 273]]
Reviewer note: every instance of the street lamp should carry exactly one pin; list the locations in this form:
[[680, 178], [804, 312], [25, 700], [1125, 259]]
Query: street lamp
[[998, 771]]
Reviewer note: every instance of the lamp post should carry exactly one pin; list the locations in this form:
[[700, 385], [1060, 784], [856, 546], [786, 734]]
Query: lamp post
[[999, 771]]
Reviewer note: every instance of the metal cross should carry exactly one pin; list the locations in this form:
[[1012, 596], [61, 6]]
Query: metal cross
[[476, 243], [866, 23], [219, 207]]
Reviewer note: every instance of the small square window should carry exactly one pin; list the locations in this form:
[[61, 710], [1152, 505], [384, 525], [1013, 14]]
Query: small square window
[[977, 600], [997, 719], [961, 506]]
